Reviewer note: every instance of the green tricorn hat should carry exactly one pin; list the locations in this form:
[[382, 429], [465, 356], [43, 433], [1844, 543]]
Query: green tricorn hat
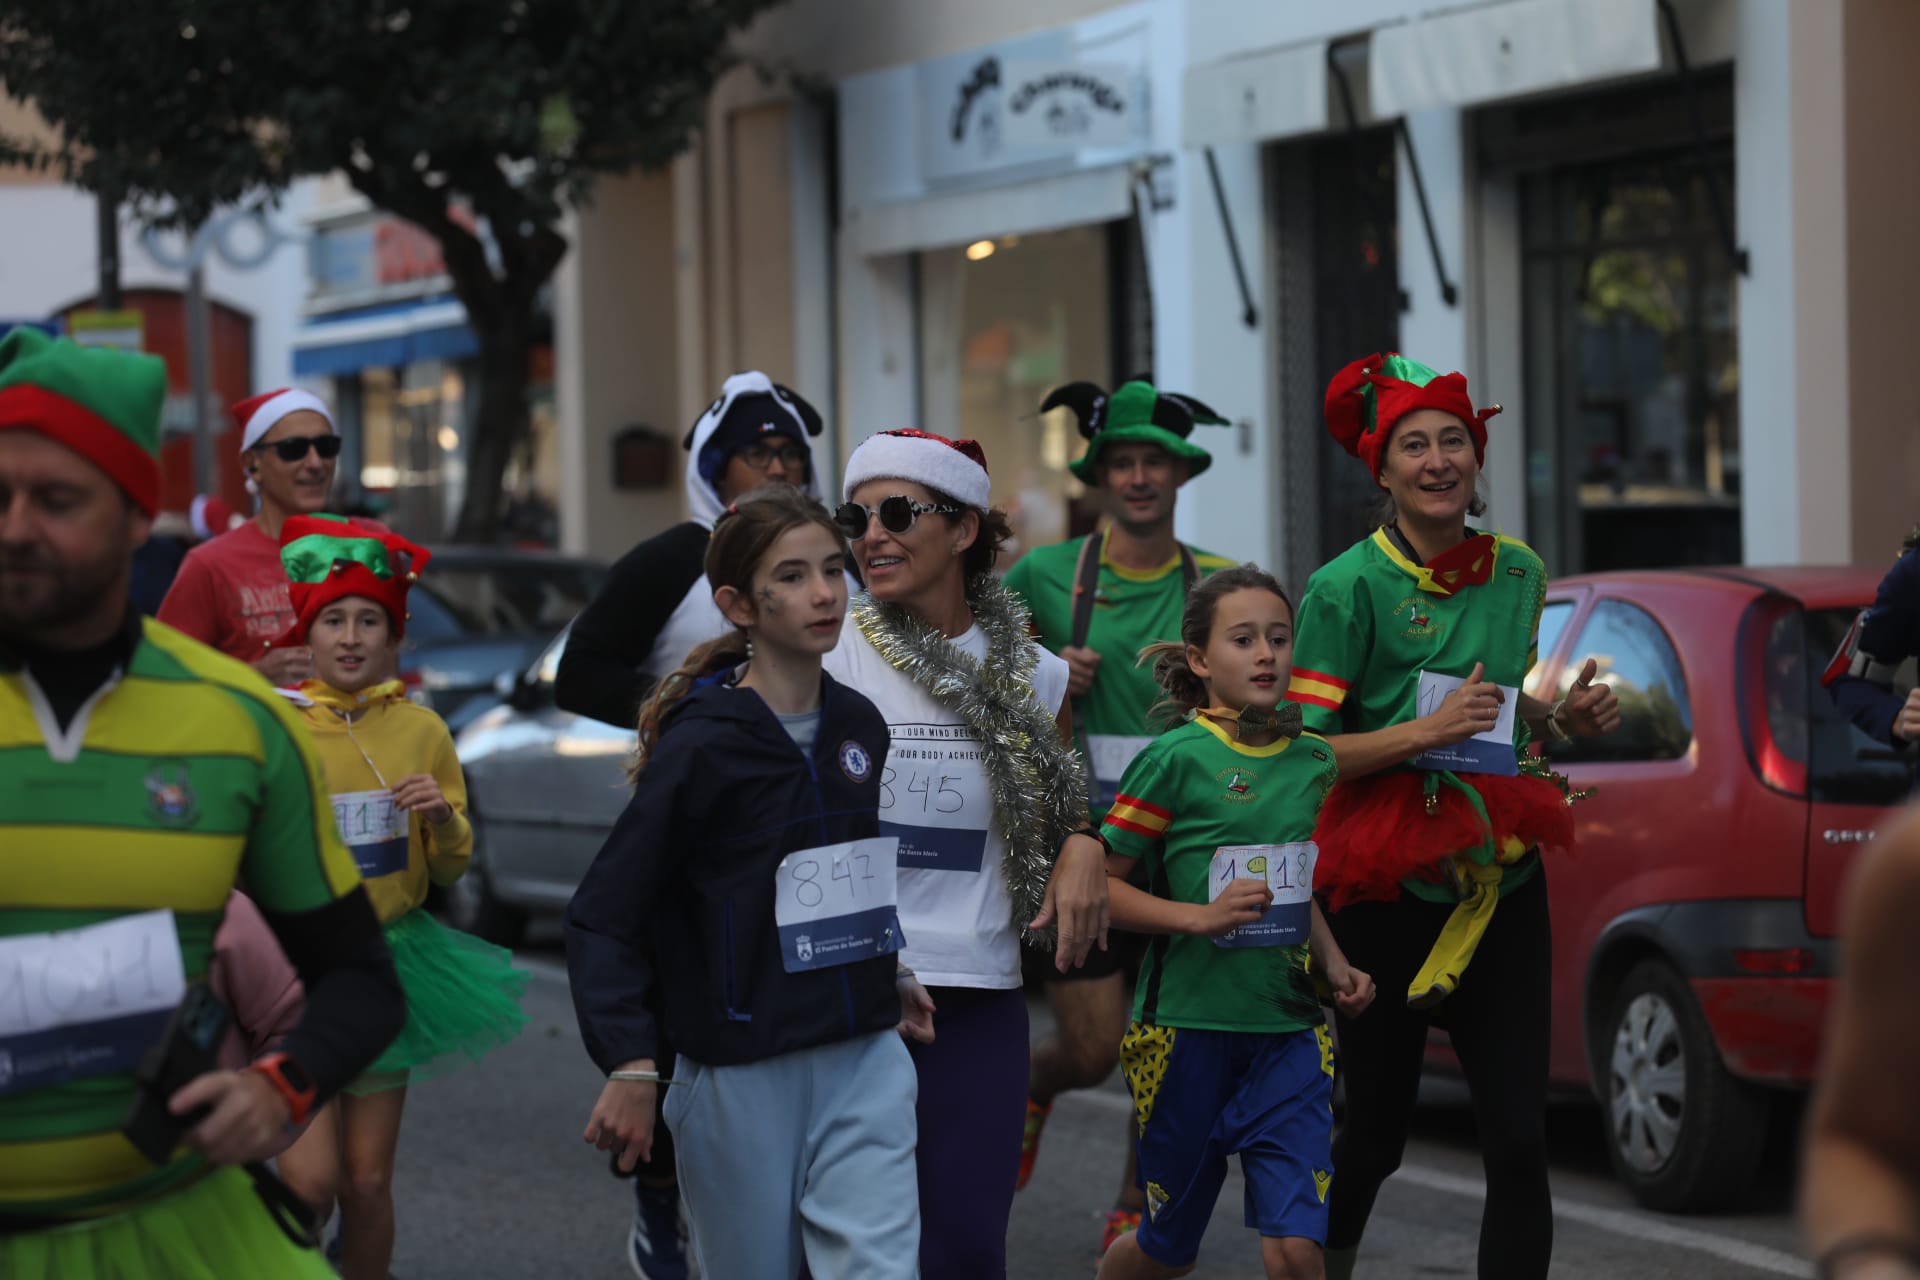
[[1135, 413]]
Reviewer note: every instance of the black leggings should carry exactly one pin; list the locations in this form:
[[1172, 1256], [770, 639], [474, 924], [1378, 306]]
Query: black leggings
[[1498, 1022]]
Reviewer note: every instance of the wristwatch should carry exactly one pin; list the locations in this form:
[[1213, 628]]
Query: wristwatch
[[291, 1081]]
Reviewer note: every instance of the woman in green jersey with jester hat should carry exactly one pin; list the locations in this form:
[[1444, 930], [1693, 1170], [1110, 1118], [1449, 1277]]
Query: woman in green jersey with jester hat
[[1413, 646]]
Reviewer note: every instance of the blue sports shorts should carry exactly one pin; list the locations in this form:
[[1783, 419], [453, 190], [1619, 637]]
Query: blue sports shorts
[[1201, 1096]]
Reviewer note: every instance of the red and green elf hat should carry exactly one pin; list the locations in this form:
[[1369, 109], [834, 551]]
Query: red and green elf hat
[[328, 558], [1136, 412], [1369, 396], [101, 403]]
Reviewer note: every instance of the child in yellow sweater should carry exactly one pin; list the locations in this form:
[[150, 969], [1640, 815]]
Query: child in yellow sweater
[[400, 801]]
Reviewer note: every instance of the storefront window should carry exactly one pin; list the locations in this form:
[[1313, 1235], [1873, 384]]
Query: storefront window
[[413, 448], [1003, 322], [1633, 376]]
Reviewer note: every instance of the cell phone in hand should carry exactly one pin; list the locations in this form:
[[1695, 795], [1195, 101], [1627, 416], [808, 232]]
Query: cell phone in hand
[[189, 1049]]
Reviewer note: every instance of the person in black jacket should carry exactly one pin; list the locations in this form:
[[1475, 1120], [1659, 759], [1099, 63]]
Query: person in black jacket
[[1860, 678], [655, 605], [749, 865]]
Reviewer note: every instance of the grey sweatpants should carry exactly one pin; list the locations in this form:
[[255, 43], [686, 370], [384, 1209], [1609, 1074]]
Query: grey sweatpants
[[809, 1154]]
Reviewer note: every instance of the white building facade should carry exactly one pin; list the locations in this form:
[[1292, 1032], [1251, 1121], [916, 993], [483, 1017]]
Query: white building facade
[[1684, 287]]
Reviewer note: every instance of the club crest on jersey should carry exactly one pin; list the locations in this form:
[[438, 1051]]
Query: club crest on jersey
[[1237, 785], [169, 797], [855, 763], [1414, 612]]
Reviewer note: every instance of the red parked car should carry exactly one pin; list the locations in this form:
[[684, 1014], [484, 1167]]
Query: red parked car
[[1694, 931]]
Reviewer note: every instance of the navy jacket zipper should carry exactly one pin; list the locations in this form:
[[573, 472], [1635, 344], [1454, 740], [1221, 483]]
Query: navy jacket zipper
[[726, 962], [820, 809]]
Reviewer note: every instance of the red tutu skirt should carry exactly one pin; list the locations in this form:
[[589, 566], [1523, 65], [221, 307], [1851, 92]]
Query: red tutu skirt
[[1376, 831]]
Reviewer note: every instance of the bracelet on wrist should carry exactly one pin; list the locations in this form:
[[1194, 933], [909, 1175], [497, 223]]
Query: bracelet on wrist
[[1554, 727], [650, 1077]]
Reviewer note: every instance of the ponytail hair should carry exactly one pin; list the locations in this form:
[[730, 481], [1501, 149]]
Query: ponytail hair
[[742, 536], [1187, 692]]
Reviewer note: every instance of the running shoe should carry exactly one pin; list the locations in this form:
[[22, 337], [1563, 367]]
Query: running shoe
[[1030, 1141], [1119, 1223], [657, 1245]]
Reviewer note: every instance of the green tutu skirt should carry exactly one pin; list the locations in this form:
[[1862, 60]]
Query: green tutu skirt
[[463, 999], [216, 1229]]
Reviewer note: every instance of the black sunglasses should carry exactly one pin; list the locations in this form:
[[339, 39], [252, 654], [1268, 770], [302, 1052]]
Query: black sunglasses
[[294, 448], [761, 456], [897, 515]]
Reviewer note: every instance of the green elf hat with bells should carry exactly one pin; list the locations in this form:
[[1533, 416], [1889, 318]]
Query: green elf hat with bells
[[101, 403], [1368, 397], [1135, 413], [328, 558]]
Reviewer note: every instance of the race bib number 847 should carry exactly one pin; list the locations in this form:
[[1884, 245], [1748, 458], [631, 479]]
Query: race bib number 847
[[838, 904]]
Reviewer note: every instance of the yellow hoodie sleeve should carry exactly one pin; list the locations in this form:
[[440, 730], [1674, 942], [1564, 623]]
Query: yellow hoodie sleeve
[[448, 846]]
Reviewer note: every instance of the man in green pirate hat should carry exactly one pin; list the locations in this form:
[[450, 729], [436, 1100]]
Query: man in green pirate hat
[[1097, 601]]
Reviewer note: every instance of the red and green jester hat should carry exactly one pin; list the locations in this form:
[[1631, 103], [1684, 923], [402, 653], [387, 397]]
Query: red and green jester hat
[[328, 558], [1368, 398]]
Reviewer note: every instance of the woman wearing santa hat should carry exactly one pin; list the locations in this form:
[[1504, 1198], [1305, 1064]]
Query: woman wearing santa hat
[[231, 592], [982, 786], [1410, 652]]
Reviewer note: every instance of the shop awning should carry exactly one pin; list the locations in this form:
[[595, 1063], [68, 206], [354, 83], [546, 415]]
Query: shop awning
[[1257, 97], [383, 337], [1018, 209], [1472, 56]]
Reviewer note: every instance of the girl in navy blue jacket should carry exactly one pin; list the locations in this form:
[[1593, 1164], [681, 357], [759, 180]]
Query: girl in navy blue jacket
[[747, 887]]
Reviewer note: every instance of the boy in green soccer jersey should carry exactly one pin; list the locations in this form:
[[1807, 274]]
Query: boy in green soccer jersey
[[1229, 1052], [1097, 601]]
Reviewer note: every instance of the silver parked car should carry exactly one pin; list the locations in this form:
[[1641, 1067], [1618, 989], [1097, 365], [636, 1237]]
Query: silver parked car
[[544, 787]]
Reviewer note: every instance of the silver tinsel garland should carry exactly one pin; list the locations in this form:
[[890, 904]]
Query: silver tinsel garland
[[1039, 791]]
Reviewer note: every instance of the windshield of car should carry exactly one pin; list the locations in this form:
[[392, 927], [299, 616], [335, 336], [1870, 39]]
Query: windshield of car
[[531, 596], [1845, 765]]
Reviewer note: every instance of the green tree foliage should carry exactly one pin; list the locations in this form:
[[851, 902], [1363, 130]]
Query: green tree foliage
[[508, 108]]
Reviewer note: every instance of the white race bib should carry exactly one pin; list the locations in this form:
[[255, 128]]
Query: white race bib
[[88, 1001], [935, 797], [1108, 755], [375, 829], [1288, 872], [838, 904], [1490, 751]]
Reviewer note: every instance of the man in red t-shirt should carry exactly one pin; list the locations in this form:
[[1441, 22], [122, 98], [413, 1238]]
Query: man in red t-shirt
[[231, 591]]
